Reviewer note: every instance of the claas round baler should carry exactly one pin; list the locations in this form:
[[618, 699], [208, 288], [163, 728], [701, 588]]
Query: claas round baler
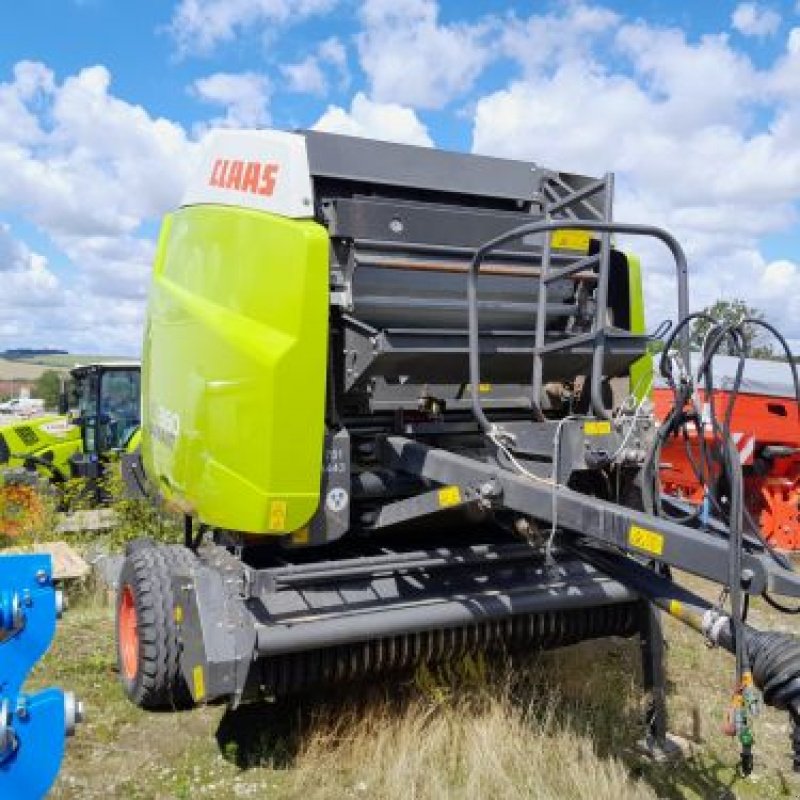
[[399, 396]]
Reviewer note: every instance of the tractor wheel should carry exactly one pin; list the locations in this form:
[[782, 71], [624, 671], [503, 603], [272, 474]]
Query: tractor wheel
[[148, 651]]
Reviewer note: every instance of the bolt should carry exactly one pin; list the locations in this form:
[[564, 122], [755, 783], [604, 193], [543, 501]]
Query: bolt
[[490, 490], [60, 604]]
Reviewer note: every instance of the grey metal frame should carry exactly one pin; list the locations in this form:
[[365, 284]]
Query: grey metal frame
[[599, 334], [578, 514]]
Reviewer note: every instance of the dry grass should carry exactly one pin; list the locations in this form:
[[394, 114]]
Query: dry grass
[[480, 744]]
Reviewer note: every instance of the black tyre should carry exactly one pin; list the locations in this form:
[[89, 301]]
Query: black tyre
[[148, 651]]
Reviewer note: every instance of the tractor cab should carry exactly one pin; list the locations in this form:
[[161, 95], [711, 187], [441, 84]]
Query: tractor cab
[[105, 404]]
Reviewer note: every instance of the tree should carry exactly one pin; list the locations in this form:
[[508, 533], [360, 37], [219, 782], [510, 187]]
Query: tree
[[48, 387], [732, 312]]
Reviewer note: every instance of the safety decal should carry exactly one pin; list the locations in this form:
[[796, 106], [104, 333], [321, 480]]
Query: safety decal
[[643, 539]]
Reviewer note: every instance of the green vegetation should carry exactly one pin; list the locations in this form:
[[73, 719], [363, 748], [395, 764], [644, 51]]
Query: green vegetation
[[732, 312], [48, 387]]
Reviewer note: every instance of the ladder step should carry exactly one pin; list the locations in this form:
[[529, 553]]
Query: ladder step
[[572, 269], [565, 344]]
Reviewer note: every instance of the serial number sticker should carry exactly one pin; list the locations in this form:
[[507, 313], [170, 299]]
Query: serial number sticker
[[601, 427], [571, 240], [449, 496], [277, 515], [643, 539], [199, 682]]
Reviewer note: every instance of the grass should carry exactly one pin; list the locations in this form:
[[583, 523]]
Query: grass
[[560, 725]]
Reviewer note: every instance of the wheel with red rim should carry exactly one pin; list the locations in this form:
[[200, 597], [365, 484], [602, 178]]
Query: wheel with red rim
[[148, 647]]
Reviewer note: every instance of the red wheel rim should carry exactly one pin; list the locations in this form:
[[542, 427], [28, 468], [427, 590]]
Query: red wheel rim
[[128, 635]]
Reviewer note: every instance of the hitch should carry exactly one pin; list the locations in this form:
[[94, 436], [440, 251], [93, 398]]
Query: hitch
[[33, 727]]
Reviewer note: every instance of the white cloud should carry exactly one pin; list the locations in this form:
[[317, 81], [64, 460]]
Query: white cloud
[[313, 74], [198, 26], [412, 59], [334, 52], [29, 286], [753, 19], [701, 141], [87, 169], [305, 76], [17, 121], [388, 121], [244, 95], [571, 35], [101, 166]]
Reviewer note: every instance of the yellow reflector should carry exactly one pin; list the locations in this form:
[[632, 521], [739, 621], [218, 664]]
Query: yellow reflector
[[300, 536], [449, 496], [199, 682], [600, 427]]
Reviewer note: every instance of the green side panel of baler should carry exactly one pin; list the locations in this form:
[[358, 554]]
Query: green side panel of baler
[[234, 367], [641, 370]]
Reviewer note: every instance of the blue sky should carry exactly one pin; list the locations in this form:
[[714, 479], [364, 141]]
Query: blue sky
[[695, 106]]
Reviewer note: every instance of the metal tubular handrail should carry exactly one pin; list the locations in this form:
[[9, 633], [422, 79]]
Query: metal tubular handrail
[[548, 227]]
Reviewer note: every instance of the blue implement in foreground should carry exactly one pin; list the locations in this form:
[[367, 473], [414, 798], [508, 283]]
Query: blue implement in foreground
[[33, 727]]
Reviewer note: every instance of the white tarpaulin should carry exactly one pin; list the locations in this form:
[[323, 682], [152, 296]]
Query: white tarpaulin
[[770, 378]]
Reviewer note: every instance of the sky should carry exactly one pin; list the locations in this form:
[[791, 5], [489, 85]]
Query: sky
[[694, 106]]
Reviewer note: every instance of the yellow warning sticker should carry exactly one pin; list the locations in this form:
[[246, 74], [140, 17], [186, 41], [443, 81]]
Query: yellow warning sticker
[[178, 614], [449, 496], [675, 608], [643, 539], [600, 427], [199, 682], [277, 515], [484, 388], [571, 240]]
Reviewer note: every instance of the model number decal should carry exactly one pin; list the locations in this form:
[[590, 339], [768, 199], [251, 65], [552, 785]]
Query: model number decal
[[335, 461], [166, 426]]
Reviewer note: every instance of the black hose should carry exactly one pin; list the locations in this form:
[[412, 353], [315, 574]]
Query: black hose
[[775, 659]]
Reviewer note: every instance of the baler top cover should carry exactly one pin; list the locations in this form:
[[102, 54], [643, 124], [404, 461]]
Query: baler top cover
[[278, 172]]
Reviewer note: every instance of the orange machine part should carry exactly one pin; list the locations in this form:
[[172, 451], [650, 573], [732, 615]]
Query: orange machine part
[[772, 485]]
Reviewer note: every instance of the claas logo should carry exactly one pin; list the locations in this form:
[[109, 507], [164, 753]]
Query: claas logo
[[256, 177]]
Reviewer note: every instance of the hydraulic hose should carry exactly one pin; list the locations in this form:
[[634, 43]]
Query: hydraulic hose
[[774, 657]]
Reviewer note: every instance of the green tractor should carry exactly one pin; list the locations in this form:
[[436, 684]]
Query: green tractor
[[97, 423]]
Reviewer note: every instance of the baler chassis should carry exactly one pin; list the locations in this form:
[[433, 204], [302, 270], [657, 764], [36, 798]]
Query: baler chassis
[[397, 591]]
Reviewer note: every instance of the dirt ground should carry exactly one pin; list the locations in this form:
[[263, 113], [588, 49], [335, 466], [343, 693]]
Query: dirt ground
[[562, 725]]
